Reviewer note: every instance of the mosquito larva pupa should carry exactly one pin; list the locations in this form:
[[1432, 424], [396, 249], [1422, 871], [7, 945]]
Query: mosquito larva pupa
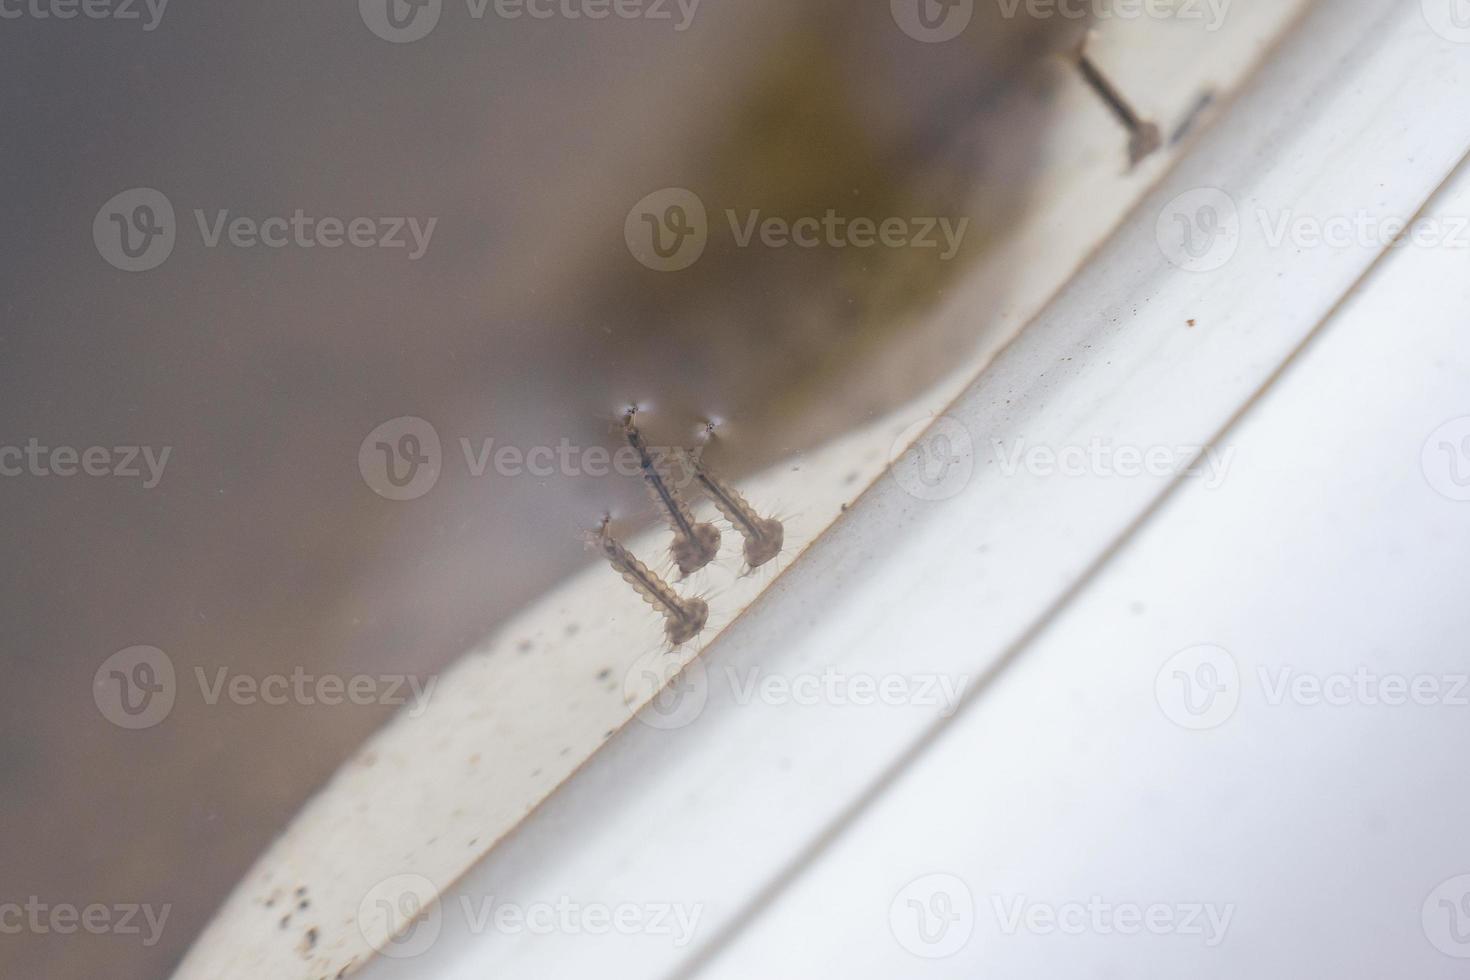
[[764, 536], [695, 545], [683, 618]]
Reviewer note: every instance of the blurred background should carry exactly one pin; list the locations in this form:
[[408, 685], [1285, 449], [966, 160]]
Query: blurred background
[[511, 156]]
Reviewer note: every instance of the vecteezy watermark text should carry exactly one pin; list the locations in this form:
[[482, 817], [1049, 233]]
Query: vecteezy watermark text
[[403, 458], [1211, 13], [136, 688], [406, 21], [668, 231], [833, 230], [1096, 916], [937, 21], [306, 231], [331, 690], [1200, 687], [671, 696], [147, 12], [831, 686], [1201, 230], [1100, 457], [121, 462], [136, 231], [403, 916], [934, 916], [64, 919]]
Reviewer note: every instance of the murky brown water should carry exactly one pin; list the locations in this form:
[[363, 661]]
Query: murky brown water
[[527, 320]]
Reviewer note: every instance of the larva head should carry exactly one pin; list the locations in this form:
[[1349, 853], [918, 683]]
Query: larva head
[[766, 544], [682, 629], [693, 552]]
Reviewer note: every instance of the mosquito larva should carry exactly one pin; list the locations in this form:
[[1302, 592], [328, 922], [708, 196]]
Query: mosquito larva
[[695, 545], [683, 618], [1144, 136], [764, 536]]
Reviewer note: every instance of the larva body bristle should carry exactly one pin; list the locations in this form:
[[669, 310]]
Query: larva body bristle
[[764, 536], [695, 545], [684, 619]]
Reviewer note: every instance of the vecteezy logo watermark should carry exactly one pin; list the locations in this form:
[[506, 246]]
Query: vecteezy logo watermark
[[1446, 917], [403, 458], [933, 916], [1199, 687], [933, 458], [405, 21], [1199, 230], [668, 230], [148, 12], [403, 916], [136, 688], [136, 231], [1103, 459], [669, 696], [1205, 920], [121, 462], [1450, 19], [1211, 12], [401, 21], [1446, 459], [65, 919], [932, 21], [672, 697]]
